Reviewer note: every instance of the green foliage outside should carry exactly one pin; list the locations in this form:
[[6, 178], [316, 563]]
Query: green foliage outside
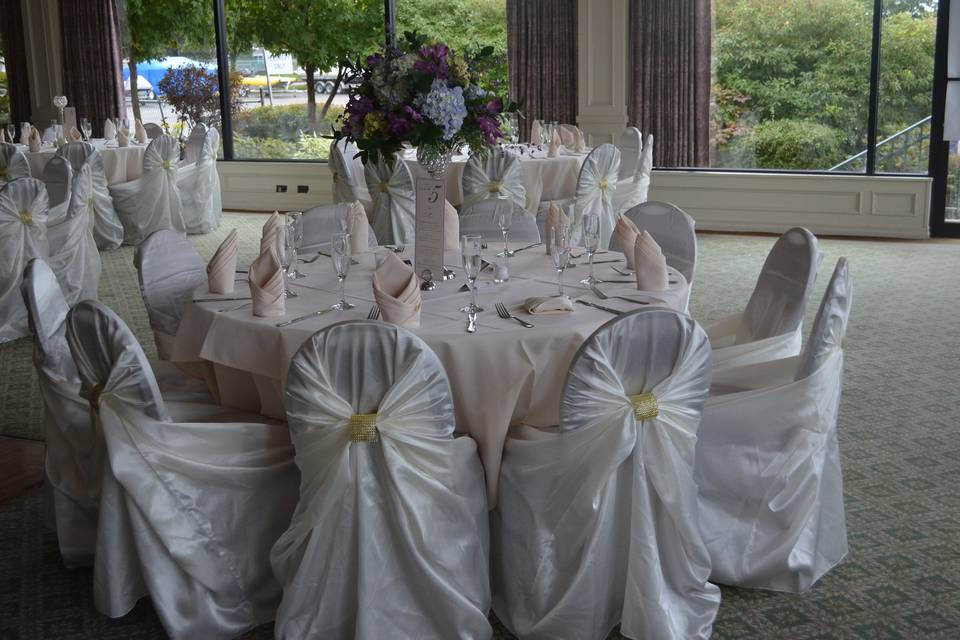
[[4, 99], [280, 133]]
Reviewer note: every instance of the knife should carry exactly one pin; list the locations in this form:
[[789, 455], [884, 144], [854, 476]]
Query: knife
[[616, 312], [529, 246], [219, 299]]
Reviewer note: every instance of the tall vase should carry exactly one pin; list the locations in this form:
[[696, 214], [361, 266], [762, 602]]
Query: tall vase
[[434, 159], [431, 196]]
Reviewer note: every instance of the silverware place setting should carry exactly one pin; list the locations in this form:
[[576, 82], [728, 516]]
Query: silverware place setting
[[231, 299], [603, 296], [374, 312], [318, 312], [504, 313], [471, 322], [529, 246], [615, 312]]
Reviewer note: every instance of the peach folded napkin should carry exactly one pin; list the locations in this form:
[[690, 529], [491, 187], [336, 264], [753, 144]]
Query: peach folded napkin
[[397, 290], [222, 268], [74, 134], [555, 217], [122, 139], [266, 285], [140, 133], [3, 136], [649, 263], [535, 132], [109, 129], [546, 306], [451, 228], [626, 233], [25, 129], [35, 142], [568, 135], [555, 145], [270, 227], [358, 228]]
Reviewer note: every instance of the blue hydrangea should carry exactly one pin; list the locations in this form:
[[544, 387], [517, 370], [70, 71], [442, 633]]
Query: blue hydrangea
[[445, 107]]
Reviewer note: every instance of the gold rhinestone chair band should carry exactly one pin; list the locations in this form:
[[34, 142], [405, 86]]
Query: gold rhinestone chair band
[[26, 217], [645, 406], [363, 427], [95, 397], [494, 186]]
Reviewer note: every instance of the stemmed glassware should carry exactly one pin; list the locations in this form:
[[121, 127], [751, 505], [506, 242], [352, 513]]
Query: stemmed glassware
[[286, 252], [294, 220], [60, 102], [591, 242], [472, 253], [85, 128], [11, 132], [561, 253], [340, 254], [503, 215]]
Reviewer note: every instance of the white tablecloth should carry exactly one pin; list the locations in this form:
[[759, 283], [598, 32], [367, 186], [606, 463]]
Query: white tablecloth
[[544, 178], [121, 164], [504, 374]]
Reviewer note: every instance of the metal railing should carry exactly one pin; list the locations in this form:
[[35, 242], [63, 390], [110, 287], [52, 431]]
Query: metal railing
[[906, 151]]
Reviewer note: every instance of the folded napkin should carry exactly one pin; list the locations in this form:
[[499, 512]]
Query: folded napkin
[[580, 145], [266, 285], [555, 216], [109, 129], [650, 265], [122, 139], [626, 233], [270, 227], [568, 136], [140, 133], [555, 145], [75, 134], [3, 136], [358, 227], [451, 228], [25, 129], [552, 305], [397, 290], [535, 134], [222, 268], [34, 140]]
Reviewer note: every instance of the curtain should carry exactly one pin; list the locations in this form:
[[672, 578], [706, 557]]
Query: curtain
[[542, 57], [15, 56], [669, 78], [92, 73]]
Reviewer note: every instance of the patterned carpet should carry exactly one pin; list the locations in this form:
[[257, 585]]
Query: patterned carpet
[[898, 440]]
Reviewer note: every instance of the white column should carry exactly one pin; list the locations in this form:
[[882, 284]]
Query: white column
[[602, 69], [41, 25]]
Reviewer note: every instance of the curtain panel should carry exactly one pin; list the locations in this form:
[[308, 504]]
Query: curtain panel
[[92, 71], [15, 56], [670, 77], [542, 58]]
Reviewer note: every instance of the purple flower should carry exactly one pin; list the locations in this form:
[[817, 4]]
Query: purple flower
[[398, 126], [413, 113], [494, 106], [433, 61], [489, 129], [359, 104]]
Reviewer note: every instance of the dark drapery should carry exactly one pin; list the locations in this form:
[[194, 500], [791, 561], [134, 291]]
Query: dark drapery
[[669, 91], [92, 73], [15, 57], [542, 53]]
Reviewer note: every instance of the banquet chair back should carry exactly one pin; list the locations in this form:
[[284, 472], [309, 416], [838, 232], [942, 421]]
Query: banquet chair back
[[74, 451], [371, 418], [480, 219], [492, 174], [349, 184], [600, 513], [169, 269], [57, 176], [768, 461], [13, 163], [195, 142], [154, 131], [321, 222], [199, 185], [630, 144], [152, 201], [23, 236], [673, 229], [76, 153], [107, 230], [74, 256], [189, 510], [393, 216], [596, 185]]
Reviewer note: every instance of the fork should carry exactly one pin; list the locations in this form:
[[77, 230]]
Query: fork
[[400, 248], [505, 314], [600, 294], [631, 274], [318, 312], [324, 253], [374, 312]]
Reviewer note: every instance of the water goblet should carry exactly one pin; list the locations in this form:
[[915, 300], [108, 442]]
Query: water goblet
[[284, 245], [561, 253], [295, 224], [591, 242], [85, 128], [471, 252], [340, 254], [503, 215], [11, 132]]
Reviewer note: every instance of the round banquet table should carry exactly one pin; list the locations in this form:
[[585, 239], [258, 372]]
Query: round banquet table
[[543, 178], [120, 164], [501, 375]]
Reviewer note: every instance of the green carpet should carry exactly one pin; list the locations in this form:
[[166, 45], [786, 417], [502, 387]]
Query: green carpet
[[898, 441]]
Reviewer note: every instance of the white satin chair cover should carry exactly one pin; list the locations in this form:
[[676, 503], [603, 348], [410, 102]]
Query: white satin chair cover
[[674, 231], [74, 256], [770, 327], [195, 142], [630, 144], [152, 201], [57, 178], [188, 510], [480, 219], [390, 538], [393, 216], [349, 184], [74, 450], [595, 188], [23, 237], [107, 230], [153, 130], [76, 153], [199, 185], [490, 175], [597, 520], [321, 222], [13, 163], [768, 463], [633, 190]]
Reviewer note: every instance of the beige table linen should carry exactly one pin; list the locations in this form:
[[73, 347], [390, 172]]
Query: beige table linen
[[120, 164], [502, 375]]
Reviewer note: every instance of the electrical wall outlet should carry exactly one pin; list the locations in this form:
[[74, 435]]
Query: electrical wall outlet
[[303, 188], [281, 188]]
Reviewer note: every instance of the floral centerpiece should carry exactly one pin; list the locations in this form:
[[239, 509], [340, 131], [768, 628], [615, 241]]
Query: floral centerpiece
[[424, 94]]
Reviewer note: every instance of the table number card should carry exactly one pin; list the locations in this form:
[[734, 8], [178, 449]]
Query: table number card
[[431, 197]]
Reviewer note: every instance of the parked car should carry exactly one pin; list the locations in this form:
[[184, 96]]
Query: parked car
[[144, 89]]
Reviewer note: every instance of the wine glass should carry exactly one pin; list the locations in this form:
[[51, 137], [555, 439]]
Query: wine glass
[[340, 253], [591, 242], [285, 252], [503, 215], [11, 132], [471, 252], [295, 225], [514, 128], [561, 252], [86, 128]]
